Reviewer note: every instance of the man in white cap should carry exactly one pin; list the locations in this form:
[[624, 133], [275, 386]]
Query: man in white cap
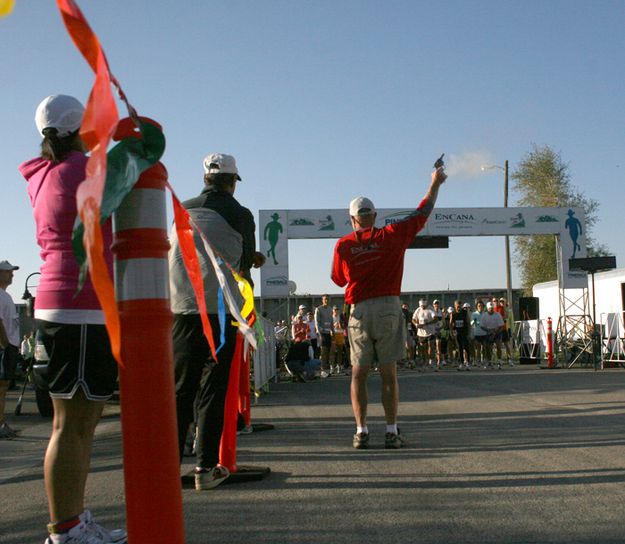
[[370, 262], [9, 342], [425, 321], [492, 323], [230, 229]]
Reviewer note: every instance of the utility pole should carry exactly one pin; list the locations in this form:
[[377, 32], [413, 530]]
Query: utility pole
[[508, 267]]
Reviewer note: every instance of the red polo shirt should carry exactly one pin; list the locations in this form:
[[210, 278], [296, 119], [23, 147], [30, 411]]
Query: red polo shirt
[[371, 261]]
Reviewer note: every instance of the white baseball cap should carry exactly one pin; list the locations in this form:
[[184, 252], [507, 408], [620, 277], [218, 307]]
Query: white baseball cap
[[6, 265], [466, 305], [361, 205], [220, 163], [59, 111], [435, 301], [489, 305], [302, 307]]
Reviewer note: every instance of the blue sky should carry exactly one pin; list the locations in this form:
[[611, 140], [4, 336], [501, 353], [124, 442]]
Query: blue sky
[[322, 101]]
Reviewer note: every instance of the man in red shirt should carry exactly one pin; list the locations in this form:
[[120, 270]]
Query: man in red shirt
[[370, 261]]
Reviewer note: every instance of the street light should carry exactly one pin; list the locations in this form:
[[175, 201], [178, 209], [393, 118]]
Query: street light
[[507, 238], [30, 300]]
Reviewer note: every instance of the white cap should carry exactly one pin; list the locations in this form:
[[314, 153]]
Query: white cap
[[489, 305], [302, 307], [466, 305], [6, 265], [435, 301], [361, 205], [62, 112], [450, 309], [220, 163]]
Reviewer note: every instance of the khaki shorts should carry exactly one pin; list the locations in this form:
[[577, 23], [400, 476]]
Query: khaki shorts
[[377, 331]]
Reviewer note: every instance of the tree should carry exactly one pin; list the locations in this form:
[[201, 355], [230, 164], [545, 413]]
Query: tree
[[543, 179]]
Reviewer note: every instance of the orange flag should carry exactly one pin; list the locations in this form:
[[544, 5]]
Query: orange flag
[[96, 132]]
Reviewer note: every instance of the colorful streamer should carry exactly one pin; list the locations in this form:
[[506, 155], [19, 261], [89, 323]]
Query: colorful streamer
[[221, 314], [97, 199], [96, 131]]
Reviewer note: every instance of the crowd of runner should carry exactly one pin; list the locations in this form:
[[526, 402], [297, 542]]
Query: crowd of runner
[[462, 336]]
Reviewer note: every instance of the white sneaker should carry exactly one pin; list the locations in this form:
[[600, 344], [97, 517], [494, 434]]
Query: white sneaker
[[78, 534], [89, 532], [116, 536], [324, 374], [211, 478]]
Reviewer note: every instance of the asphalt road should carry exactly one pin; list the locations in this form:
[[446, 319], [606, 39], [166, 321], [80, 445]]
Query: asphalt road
[[516, 456]]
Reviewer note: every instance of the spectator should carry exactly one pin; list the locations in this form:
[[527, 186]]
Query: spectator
[[300, 331], [369, 261], [9, 342], [313, 337], [323, 325], [82, 372], [230, 228]]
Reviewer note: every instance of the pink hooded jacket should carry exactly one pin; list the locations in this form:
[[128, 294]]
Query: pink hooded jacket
[[52, 191]]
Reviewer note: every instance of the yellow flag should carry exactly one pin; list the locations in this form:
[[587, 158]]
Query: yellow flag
[[6, 7]]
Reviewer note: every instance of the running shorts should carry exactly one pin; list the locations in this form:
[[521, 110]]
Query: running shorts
[[8, 362], [80, 358]]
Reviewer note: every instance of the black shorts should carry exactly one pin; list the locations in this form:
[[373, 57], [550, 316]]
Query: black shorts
[[505, 335], [8, 362], [426, 339], [481, 338], [80, 358]]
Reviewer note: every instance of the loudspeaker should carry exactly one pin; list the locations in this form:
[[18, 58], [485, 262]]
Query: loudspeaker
[[528, 308]]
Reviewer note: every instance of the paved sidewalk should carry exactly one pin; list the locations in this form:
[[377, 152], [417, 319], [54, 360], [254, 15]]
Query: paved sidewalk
[[516, 456]]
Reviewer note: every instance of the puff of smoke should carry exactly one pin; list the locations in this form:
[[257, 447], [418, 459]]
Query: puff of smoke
[[467, 165]]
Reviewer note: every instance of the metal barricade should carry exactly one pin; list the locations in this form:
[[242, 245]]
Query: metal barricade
[[265, 359], [612, 339], [530, 338]]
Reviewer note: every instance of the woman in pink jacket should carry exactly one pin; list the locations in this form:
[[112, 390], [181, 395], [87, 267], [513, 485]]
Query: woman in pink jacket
[[81, 370]]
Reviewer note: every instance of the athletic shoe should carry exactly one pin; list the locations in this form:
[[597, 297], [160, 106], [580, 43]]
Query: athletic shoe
[[510, 363], [210, 478], [394, 441], [116, 536], [248, 429], [6, 431], [361, 441], [324, 374], [467, 366], [79, 534], [88, 532]]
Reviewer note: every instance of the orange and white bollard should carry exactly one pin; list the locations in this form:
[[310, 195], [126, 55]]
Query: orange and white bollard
[[550, 363], [148, 406]]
